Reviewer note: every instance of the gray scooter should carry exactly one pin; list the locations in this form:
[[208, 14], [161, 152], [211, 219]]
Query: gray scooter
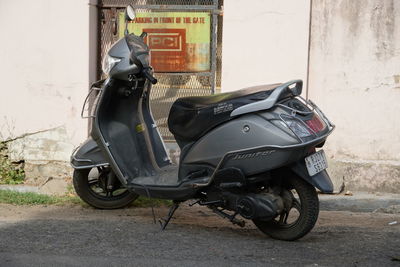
[[251, 154]]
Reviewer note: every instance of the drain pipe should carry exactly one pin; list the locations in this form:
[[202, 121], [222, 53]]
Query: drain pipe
[[309, 48]]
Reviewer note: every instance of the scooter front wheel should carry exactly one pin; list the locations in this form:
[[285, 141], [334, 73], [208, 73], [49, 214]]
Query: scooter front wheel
[[299, 218], [95, 188]]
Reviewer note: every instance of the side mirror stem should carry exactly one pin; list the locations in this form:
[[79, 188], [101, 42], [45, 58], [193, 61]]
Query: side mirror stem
[[129, 16], [126, 32], [143, 35]]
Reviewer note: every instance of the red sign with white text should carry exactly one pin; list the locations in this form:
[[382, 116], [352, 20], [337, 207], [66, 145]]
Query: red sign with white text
[[168, 49], [179, 41]]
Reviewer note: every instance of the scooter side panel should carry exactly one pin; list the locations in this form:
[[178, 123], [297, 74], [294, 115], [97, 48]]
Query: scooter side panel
[[116, 130], [246, 132], [157, 143], [88, 155], [261, 160]]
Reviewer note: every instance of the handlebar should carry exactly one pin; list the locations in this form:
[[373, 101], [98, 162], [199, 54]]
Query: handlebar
[[148, 76]]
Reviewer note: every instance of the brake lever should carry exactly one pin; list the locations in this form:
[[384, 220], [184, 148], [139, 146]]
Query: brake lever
[[143, 35], [149, 77]]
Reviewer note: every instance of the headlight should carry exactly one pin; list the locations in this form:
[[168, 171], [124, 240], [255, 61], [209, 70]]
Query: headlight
[[108, 63]]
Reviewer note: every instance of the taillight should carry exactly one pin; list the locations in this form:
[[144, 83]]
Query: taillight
[[316, 124], [298, 128]]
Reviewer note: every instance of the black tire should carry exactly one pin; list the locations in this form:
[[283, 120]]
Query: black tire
[[96, 200], [308, 214]]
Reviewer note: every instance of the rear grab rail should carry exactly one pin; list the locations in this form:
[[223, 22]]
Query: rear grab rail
[[313, 109]]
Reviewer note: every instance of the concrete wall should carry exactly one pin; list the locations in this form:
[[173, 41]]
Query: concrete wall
[[264, 41], [45, 75], [47, 65], [355, 79]]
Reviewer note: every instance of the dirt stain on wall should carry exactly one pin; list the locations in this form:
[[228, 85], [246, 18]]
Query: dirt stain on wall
[[351, 11], [369, 23], [382, 23]]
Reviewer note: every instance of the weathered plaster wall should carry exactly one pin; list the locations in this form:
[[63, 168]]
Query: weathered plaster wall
[[355, 79], [45, 76], [264, 41]]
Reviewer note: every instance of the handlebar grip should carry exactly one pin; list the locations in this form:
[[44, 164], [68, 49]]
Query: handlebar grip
[[149, 77]]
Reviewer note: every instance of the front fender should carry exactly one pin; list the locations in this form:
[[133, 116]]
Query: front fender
[[88, 155], [321, 180]]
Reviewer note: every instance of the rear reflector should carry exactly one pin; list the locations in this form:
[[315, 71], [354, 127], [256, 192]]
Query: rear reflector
[[316, 124]]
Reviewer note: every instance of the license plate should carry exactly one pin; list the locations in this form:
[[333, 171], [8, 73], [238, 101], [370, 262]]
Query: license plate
[[316, 162]]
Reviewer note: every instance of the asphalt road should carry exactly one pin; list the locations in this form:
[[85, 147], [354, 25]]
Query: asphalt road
[[77, 236]]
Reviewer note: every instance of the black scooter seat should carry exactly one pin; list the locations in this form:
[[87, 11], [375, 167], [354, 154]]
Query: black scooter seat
[[192, 117]]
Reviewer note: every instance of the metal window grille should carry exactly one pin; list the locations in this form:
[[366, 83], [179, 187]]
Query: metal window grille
[[170, 85]]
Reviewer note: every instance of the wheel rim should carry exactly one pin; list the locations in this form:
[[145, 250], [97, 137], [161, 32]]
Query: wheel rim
[[97, 180], [292, 212]]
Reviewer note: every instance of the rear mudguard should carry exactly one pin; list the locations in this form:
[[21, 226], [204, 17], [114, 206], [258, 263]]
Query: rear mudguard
[[321, 180], [88, 155]]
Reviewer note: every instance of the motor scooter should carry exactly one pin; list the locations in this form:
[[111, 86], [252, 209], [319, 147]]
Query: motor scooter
[[251, 154]]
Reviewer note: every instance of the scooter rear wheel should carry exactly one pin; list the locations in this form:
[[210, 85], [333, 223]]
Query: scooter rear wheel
[[90, 185], [301, 216]]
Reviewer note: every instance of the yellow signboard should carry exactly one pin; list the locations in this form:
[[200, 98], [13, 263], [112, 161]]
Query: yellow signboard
[[179, 41]]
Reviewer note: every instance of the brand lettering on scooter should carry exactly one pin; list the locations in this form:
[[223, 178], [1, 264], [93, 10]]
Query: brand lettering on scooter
[[253, 155]]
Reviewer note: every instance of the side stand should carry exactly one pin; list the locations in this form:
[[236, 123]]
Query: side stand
[[231, 218], [164, 222]]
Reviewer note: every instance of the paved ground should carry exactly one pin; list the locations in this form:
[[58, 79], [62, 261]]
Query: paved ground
[[358, 201], [76, 236]]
